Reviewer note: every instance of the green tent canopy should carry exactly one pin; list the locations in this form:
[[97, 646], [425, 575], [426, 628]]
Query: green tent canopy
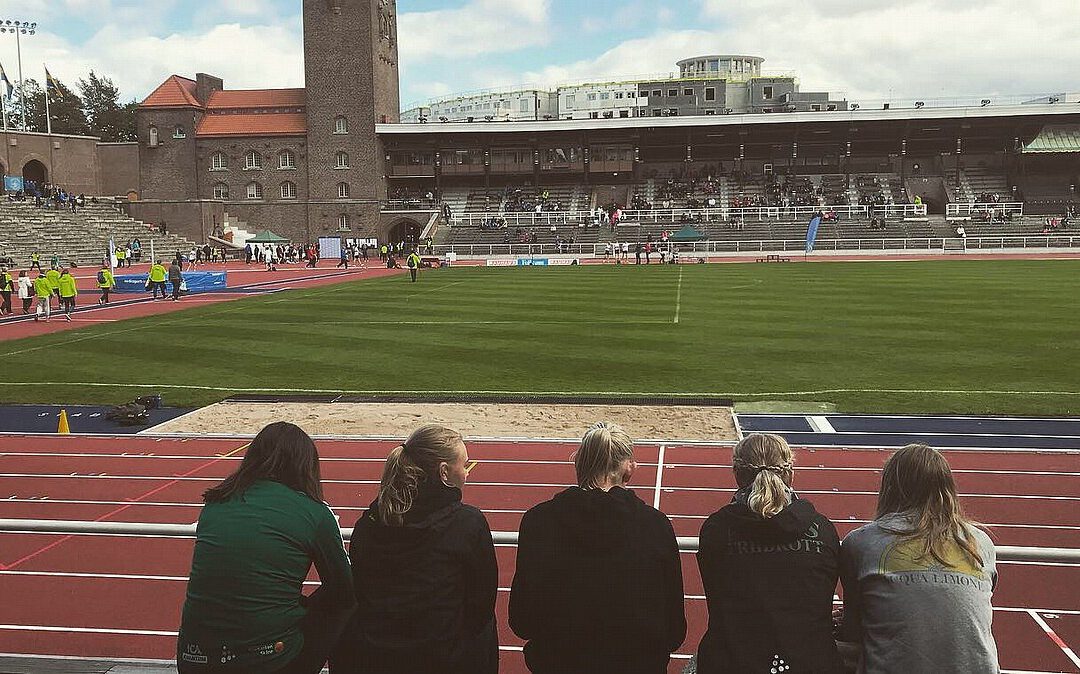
[[687, 233], [266, 236], [1055, 138]]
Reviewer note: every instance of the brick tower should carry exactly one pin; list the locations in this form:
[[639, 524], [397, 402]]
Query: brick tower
[[351, 73]]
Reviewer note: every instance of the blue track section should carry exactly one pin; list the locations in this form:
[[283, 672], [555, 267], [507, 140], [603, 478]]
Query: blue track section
[[81, 419], [837, 430]]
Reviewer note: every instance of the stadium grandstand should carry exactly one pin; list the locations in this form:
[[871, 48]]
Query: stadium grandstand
[[300, 379]]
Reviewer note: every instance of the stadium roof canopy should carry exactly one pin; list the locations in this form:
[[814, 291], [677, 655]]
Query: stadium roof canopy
[[1055, 138], [840, 116]]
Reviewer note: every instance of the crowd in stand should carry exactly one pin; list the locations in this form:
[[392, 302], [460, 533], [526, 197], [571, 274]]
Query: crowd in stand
[[598, 584], [49, 196]]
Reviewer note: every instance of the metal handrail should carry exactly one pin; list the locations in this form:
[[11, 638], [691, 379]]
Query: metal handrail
[[1005, 553]]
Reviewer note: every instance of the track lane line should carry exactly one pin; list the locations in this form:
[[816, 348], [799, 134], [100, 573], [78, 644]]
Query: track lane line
[[659, 477], [1069, 653]]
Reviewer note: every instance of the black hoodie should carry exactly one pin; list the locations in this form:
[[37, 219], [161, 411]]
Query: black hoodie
[[598, 586], [769, 584], [425, 591]]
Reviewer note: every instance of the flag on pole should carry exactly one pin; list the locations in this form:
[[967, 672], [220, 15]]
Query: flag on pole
[[811, 233], [52, 85], [8, 87]]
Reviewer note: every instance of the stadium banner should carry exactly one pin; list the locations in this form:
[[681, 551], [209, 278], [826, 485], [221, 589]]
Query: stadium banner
[[329, 248], [13, 183], [811, 234], [533, 262], [197, 281]]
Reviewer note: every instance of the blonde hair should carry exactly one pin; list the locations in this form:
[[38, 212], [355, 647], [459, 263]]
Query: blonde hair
[[765, 464], [411, 464], [917, 479], [603, 449]]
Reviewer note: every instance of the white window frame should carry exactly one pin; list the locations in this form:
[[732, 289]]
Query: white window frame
[[253, 161], [343, 222], [221, 191], [254, 191], [343, 190], [341, 125], [179, 133], [286, 160], [219, 161], [288, 190], [341, 160]]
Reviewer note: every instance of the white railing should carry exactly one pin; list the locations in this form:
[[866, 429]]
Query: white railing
[[679, 215], [968, 209], [771, 246], [1005, 553]]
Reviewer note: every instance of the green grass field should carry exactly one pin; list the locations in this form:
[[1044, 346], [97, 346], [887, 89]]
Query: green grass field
[[931, 337]]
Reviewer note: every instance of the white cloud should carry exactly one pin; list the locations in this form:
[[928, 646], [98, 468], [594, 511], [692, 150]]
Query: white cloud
[[478, 27]]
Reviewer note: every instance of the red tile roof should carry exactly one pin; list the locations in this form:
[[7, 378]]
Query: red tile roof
[[257, 98], [175, 92], [253, 125]]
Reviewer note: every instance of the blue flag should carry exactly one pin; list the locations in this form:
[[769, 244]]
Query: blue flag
[[811, 234]]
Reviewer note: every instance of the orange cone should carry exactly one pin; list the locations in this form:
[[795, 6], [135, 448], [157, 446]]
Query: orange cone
[[63, 429]]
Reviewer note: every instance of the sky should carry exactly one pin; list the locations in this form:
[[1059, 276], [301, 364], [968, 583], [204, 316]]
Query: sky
[[865, 49]]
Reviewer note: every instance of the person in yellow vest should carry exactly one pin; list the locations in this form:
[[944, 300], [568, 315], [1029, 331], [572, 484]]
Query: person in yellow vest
[[68, 293], [157, 278], [105, 283], [413, 263], [35, 260], [7, 285], [53, 277], [43, 292], [120, 255]]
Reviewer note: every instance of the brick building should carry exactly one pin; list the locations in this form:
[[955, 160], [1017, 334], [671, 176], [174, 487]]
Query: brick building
[[303, 162]]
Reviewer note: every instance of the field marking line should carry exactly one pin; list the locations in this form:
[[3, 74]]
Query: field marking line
[[678, 298], [117, 511], [434, 290], [1054, 637], [659, 477], [820, 424]]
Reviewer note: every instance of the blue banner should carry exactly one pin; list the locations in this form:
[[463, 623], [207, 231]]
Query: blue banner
[[197, 282], [13, 183], [811, 234]]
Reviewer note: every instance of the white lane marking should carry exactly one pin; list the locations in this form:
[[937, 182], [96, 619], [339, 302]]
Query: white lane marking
[[1054, 637], [659, 477], [678, 299], [88, 630], [820, 424]]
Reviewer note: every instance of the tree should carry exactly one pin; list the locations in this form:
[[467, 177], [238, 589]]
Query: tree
[[28, 95], [66, 109], [104, 114]]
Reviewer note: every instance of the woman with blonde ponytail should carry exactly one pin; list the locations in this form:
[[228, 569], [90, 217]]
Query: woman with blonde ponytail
[[424, 569], [598, 586], [769, 563]]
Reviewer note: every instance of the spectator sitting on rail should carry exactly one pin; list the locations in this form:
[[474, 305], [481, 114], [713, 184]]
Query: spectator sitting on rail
[[258, 534], [598, 586], [921, 574], [424, 569], [769, 562]]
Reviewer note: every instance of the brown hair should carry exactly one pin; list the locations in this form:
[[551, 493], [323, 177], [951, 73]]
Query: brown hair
[[604, 448], [411, 464], [281, 452], [917, 479], [765, 464]]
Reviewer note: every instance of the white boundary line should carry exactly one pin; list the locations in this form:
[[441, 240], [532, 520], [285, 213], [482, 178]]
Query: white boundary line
[[820, 424], [762, 415], [659, 477], [1054, 637], [678, 298]]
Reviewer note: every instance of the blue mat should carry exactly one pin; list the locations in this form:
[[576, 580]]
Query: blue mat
[[197, 281], [81, 419]]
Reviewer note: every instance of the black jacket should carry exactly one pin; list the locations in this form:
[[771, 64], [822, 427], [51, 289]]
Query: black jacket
[[425, 591], [598, 586], [769, 584]]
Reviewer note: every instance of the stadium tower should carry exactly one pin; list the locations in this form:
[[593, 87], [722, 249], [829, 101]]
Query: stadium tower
[[351, 73]]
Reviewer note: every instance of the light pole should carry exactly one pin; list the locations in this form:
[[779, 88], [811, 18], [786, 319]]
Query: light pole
[[20, 28]]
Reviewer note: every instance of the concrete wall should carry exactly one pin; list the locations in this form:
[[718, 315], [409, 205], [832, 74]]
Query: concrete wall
[[168, 170], [71, 161], [193, 220], [118, 168]]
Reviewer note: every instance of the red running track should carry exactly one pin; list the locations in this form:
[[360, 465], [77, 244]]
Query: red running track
[[120, 596]]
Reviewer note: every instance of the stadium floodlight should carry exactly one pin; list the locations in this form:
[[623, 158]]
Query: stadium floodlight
[[919, 104], [18, 29], [985, 102]]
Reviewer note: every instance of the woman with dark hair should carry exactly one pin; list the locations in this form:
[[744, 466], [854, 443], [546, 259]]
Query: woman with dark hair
[[769, 562], [598, 586], [918, 579], [424, 569], [258, 534]]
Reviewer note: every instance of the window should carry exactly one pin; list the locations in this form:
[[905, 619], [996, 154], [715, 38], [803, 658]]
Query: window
[[657, 93], [288, 190], [286, 160], [710, 112], [815, 108], [341, 125], [254, 191], [343, 191], [710, 94], [605, 96], [343, 222], [153, 136], [767, 92], [687, 92], [570, 101], [179, 133], [219, 162], [656, 112], [618, 95], [342, 160], [594, 115], [672, 93], [221, 191], [252, 161], [591, 97], [624, 113]]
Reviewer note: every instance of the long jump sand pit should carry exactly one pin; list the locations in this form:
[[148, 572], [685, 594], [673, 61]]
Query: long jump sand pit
[[479, 420]]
